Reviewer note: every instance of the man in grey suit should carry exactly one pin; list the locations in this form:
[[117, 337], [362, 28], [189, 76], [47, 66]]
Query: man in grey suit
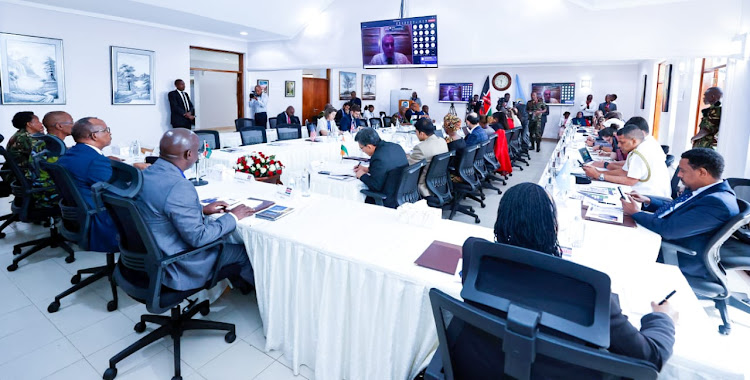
[[171, 208], [429, 147]]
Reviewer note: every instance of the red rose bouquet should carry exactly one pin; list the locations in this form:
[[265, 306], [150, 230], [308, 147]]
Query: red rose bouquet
[[259, 165]]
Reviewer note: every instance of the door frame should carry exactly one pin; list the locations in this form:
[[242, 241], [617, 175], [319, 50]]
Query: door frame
[[240, 76]]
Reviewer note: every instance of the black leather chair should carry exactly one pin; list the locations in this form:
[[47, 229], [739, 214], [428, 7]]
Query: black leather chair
[[741, 187], [670, 160], [209, 136], [665, 148], [407, 192], [6, 177], [24, 210], [480, 164], [76, 227], [491, 162], [375, 122], [735, 253], [289, 131], [715, 287], [243, 123], [512, 305], [438, 180], [140, 269], [470, 183], [272, 122], [253, 135], [386, 121]]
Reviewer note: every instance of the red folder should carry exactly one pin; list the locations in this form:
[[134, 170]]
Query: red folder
[[440, 256]]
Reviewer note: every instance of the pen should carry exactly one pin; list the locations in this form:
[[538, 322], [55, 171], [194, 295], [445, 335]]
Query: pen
[[667, 297], [622, 196]]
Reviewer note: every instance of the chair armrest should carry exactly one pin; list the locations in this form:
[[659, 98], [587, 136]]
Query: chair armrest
[[669, 252], [434, 370], [185, 254], [378, 197]]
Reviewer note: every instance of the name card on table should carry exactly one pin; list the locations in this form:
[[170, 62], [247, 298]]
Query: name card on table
[[243, 176]]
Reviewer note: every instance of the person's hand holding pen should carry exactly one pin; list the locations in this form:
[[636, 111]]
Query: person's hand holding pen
[[665, 307], [215, 207]]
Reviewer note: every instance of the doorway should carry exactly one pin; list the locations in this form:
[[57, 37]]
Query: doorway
[[713, 74], [315, 93], [659, 98], [217, 87]]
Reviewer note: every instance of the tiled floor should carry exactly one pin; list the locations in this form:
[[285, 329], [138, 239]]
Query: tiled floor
[[76, 342]]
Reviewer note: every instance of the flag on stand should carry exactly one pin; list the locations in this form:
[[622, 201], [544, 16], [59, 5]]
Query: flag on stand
[[519, 92], [486, 98], [206, 149], [344, 152]]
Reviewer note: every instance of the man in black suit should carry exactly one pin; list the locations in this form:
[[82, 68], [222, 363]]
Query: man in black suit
[[287, 117], [386, 161], [183, 113], [355, 99]]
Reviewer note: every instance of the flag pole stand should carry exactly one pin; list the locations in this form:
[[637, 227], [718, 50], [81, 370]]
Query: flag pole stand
[[452, 110], [198, 181]]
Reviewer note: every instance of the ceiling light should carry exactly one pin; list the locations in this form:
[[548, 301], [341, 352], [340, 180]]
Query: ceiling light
[[243, 33]]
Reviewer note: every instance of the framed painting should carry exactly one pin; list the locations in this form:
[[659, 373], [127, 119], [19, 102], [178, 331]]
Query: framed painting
[[369, 86], [31, 70], [347, 84], [643, 93], [263, 83], [289, 88], [667, 88], [132, 74]]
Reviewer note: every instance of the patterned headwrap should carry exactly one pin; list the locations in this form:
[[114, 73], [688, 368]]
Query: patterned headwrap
[[451, 123]]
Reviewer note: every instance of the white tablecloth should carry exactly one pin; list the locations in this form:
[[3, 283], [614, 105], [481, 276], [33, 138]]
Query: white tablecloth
[[347, 188], [233, 139]]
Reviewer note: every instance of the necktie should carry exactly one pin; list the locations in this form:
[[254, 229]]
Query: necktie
[[184, 100], [669, 207], [329, 125], [287, 119], [389, 61]]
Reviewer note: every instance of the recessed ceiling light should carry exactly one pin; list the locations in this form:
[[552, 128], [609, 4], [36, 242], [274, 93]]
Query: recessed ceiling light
[[243, 33]]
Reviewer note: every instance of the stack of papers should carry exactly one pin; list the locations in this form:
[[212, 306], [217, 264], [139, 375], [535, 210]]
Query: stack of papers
[[605, 214], [274, 212]]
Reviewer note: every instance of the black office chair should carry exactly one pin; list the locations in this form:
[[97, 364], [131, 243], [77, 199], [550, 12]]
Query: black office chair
[[480, 163], [665, 148], [311, 127], [76, 227], [407, 192], [469, 185], [735, 253], [210, 137], [6, 177], [674, 183], [253, 135], [715, 287], [24, 210], [741, 187], [670, 160], [513, 311], [141, 268], [289, 131], [438, 180], [386, 121], [243, 123], [491, 162], [382, 114], [439, 133], [375, 122], [513, 149], [272, 122]]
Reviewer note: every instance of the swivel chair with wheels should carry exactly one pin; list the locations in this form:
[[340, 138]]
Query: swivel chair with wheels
[[438, 180], [243, 123], [468, 185], [408, 191]]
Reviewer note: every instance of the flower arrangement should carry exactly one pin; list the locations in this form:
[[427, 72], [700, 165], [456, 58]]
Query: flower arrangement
[[259, 165]]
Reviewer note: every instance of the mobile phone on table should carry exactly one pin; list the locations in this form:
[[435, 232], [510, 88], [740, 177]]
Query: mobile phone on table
[[622, 196]]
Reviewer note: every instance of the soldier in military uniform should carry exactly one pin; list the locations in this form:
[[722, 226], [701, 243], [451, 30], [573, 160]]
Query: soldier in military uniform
[[60, 125], [535, 108], [19, 145], [709, 126]]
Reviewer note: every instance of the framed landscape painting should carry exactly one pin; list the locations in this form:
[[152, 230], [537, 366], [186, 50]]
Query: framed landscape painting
[[31, 70], [263, 83], [347, 84], [289, 89], [132, 75], [369, 86]]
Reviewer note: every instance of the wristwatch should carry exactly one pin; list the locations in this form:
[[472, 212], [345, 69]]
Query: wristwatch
[[606, 164], [601, 177]]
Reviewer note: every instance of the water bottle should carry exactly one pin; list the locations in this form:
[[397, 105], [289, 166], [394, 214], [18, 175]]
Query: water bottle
[[305, 183], [578, 232]]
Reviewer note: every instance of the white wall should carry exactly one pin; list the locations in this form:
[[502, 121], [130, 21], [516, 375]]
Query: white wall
[[216, 97], [605, 79], [649, 68], [386, 80], [86, 42], [277, 102]]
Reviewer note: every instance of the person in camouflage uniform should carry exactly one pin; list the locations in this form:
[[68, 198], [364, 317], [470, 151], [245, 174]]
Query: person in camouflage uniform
[[19, 145], [535, 109], [60, 125], [709, 126]]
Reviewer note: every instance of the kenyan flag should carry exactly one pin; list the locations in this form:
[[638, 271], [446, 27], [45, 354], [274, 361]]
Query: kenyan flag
[[486, 99]]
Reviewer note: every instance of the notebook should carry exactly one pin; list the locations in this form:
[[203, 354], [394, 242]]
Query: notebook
[[440, 256], [254, 203], [627, 220], [274, 212]]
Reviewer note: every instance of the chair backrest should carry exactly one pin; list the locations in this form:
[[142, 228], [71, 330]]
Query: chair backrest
[[20, 187], [517, 339], [439, 133], [289, 131], [479, 160], [253, 135], [209, 136], [665, 148], [311, 127], [675, 182], [375, 122], [76, 213], [382, 114], [272, 122], [509, 134], [407, 188], [438, 179], [711, 255], [243, 122], [466, 169], [490, 159], [741, 187], [386, 121], [669, 160]]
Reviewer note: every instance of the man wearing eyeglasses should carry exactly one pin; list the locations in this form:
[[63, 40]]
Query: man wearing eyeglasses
[[87, 165]]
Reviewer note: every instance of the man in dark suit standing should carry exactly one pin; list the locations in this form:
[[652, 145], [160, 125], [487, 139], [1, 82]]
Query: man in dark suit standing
[[287, 117], [608, 106], [88, 165], [355, 99], [183, 113], [171, 208], [690, 220], [386, 161]]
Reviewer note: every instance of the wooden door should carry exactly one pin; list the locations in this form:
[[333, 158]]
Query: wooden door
[[659, 98], [314, 98]]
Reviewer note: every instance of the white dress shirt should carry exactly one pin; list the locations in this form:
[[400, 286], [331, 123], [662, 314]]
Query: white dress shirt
[[258, 104], [695, 193], [590, 110], [652, 174]]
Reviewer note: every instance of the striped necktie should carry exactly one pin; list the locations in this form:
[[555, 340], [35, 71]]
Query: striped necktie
[[669, 207]]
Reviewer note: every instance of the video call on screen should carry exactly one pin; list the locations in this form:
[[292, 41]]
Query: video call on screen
[[409, 42]]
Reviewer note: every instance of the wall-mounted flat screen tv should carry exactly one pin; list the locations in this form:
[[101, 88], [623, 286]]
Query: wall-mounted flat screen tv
[[400, 43], [559, 94], [455, 92]]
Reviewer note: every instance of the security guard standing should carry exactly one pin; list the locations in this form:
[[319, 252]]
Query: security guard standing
[[709, 126], [535, 107]]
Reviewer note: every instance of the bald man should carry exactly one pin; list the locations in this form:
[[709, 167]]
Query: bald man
[[709, 126], [169, 205], [60, 125]]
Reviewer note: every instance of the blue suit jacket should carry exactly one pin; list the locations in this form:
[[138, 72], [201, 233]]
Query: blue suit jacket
[[88, 167], [476, 136], [482, 357], [384, 174], [693, 223], [170, 206]]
